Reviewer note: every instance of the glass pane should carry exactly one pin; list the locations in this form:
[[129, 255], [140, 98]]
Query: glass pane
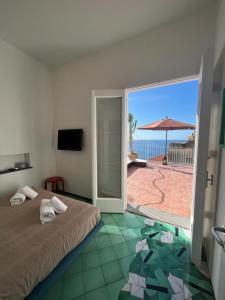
[[108, 147]]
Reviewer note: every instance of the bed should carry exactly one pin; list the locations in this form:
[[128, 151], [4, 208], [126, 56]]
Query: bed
[[30, 251]]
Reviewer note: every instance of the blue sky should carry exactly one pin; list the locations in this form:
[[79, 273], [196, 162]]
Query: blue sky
[[177, 101]]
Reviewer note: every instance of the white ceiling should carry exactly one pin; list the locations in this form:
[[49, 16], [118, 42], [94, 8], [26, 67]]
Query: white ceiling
[[56, 31]]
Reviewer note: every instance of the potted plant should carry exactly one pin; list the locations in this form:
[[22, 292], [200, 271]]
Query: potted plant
[[132, 127]]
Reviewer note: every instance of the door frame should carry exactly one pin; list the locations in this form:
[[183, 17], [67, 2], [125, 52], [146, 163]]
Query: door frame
[[104, 202], [201, 157], [213, 164], [197, 206]]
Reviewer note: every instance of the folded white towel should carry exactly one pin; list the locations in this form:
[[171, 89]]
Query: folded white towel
[[17, 199], [29, 192], [46, 202], [47, 213], [58, 205]]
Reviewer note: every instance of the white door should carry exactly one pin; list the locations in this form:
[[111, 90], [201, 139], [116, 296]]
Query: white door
[[201, 157], [109, 150], [218, 253], [212, 167]]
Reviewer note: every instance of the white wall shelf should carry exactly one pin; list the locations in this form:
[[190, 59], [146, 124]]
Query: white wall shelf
[[8, 163]]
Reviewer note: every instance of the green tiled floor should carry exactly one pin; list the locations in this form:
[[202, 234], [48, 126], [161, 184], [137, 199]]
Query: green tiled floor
[[107, 254], [161, 268], [102, 269], [90, 260]]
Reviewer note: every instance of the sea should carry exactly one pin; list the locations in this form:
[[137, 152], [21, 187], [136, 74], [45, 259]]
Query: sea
[[147, 149]]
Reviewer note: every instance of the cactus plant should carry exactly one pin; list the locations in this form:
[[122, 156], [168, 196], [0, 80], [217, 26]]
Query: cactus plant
[[132, 128]]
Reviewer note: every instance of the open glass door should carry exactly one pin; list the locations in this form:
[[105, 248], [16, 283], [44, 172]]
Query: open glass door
[[201, 157], [109, 159], [213, 167]]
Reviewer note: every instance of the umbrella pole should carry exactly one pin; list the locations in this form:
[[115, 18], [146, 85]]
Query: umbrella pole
[[165, 156]]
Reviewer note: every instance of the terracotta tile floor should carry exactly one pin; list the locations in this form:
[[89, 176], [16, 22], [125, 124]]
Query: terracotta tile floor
[[165, 188]]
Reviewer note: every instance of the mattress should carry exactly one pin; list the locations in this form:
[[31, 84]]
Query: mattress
[[29, 251]]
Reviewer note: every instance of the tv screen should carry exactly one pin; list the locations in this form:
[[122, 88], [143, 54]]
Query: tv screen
[[70, 139]]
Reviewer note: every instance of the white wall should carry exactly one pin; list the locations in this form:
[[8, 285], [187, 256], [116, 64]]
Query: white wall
[[220, 31], [26, 116], [171, 51]]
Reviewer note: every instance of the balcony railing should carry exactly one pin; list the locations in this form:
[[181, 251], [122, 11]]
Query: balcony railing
[[155, 150]]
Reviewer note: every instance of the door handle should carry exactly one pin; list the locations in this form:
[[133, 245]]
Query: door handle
[[209, 179], [215, 232]]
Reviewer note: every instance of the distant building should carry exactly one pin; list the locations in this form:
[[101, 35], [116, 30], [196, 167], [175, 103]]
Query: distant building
[[190, 143]]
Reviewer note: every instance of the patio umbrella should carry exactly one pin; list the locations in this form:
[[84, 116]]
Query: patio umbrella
[[166, 125]]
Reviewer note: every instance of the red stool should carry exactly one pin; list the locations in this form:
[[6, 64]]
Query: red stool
[[54, 182]]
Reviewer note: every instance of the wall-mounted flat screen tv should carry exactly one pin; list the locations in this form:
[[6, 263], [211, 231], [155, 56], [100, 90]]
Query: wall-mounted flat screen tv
[[70, 139]]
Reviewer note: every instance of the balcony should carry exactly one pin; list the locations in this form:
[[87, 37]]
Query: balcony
[[177, 153], [163, 192]]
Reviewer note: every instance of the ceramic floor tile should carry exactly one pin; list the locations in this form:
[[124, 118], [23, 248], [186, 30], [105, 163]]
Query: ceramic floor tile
[[171, 194], [79, 298], [129, 234], [102, 269], [122, 250], [98, 294], [116, 239], [103, 241], [123, 227], [114, 288], [107, 218], [160, 267], [56, 291], [134, 222], [112, 271], [123, 222], [73, 286], [93, 279], [112, 229], [137, 230], [91, 246], [132, 244], [75, 267], [118, 217], [129, 216], [125, 264], [90, 260], [103, 231], [107, 254]]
